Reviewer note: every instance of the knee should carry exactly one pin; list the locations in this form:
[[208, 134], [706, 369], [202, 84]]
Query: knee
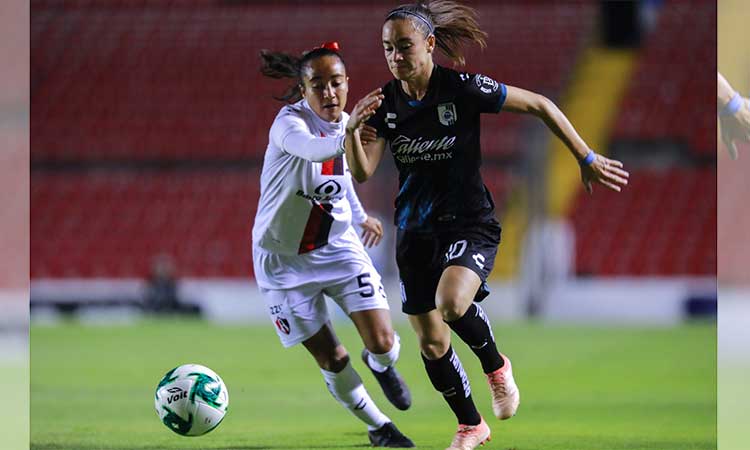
[[334, 361], [381, 343], [434, 348], [450, 308]]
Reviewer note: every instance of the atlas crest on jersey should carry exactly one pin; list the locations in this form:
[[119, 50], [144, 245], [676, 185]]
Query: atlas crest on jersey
[[447, 113]]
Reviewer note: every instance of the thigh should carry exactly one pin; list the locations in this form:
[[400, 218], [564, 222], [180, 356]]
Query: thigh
[[419, 268], [433, 334], [456, 291], [358, 288], [297, 314], [473, 249]]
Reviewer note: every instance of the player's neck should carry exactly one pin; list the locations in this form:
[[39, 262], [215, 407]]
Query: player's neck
[[416, 88]]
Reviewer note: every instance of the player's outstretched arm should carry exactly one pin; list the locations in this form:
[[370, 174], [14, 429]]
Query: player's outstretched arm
[[594, 167], [734, 115], [363, 160]]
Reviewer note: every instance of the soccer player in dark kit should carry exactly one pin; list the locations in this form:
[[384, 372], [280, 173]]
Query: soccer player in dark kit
[[447, 231]]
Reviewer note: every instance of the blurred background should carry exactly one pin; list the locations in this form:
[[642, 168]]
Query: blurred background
[[733, 220], [150, 121], [14, 222]]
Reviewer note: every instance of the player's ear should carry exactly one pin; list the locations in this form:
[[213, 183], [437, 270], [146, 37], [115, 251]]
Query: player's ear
[[301, 87], [430, 43]]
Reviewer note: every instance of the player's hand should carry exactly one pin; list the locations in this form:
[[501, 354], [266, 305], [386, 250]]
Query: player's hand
[[367, 134], [372, 232], [602, 170], [364, 109], [735, 128]]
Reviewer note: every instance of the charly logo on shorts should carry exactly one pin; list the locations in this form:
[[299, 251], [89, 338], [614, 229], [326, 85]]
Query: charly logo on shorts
[[283, 325], [486, 84], [447, 114]]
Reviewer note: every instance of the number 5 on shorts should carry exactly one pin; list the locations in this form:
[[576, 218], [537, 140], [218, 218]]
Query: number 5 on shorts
[[363, 281]]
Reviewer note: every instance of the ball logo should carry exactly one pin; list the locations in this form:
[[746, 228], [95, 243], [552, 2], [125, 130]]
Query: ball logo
[[328, 189], [486, 84], [283, 325], [175, 395]]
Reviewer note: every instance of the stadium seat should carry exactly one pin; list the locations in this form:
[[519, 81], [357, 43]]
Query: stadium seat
[[104, 224], [130, 80], [671, 92], [663, 223]]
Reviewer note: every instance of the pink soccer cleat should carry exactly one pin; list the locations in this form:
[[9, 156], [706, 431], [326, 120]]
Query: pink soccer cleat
[[469, 437], [505, 395]]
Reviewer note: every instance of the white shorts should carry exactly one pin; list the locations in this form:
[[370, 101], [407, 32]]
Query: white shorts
[[293, 286]]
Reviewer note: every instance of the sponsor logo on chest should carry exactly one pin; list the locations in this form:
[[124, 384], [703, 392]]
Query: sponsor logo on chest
[[408, 150]]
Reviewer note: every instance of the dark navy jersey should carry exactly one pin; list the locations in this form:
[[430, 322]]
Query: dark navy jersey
[[435, 143]]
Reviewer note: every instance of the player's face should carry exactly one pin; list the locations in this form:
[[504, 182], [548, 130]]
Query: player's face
[[325, 86], [407, 51]]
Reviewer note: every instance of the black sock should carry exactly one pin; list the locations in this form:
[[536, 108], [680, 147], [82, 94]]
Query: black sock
[[448, 377], [474, 329]]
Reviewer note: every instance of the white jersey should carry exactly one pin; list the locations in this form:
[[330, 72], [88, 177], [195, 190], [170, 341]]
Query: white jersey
[[306, 194]]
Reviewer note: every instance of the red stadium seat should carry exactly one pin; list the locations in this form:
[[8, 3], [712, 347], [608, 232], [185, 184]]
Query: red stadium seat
[[135, 80], [671, 94], [112, 225], [663, 223]]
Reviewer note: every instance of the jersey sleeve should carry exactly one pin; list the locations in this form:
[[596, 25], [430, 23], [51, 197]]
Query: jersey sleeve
[[488, 94], [291, 134]]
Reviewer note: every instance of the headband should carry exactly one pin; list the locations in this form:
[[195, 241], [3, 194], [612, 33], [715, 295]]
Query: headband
[[417, 15]]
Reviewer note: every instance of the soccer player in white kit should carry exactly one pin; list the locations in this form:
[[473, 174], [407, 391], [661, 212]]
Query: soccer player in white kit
[[304, 245]]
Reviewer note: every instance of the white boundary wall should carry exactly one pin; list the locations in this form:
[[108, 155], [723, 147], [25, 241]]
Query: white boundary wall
[[654, 301]]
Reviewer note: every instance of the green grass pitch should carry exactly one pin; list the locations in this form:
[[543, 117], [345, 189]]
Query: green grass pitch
[[581, 388]]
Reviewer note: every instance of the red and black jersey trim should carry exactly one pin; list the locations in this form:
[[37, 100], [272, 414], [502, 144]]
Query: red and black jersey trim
[[333, 166], [317, 229]]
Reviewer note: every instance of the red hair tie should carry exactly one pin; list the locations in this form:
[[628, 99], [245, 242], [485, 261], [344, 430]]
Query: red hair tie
[[333, 46]]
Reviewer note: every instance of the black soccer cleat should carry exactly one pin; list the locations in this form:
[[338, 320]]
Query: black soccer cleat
[[389, 436], [394, 387]]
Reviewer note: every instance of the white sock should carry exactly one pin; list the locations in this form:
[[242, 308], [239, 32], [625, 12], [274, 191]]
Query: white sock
[[346, 387], [380, 362]]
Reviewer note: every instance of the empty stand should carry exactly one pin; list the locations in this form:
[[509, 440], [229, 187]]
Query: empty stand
[[663, 223], [672, 94], [112, 224], [140, 80]]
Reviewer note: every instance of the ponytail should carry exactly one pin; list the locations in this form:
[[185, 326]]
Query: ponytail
[[279, 65], [453, 24]]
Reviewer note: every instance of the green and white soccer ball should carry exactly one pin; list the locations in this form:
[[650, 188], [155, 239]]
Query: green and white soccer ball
[[191, 400]]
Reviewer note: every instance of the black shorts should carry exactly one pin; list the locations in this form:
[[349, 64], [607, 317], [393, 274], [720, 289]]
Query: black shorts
[[422, 257]]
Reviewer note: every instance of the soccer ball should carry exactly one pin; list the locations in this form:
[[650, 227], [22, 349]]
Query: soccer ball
[[191, 400]]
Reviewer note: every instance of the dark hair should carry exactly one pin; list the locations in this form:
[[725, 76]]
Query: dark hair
[[453, 25], [283, 65]]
